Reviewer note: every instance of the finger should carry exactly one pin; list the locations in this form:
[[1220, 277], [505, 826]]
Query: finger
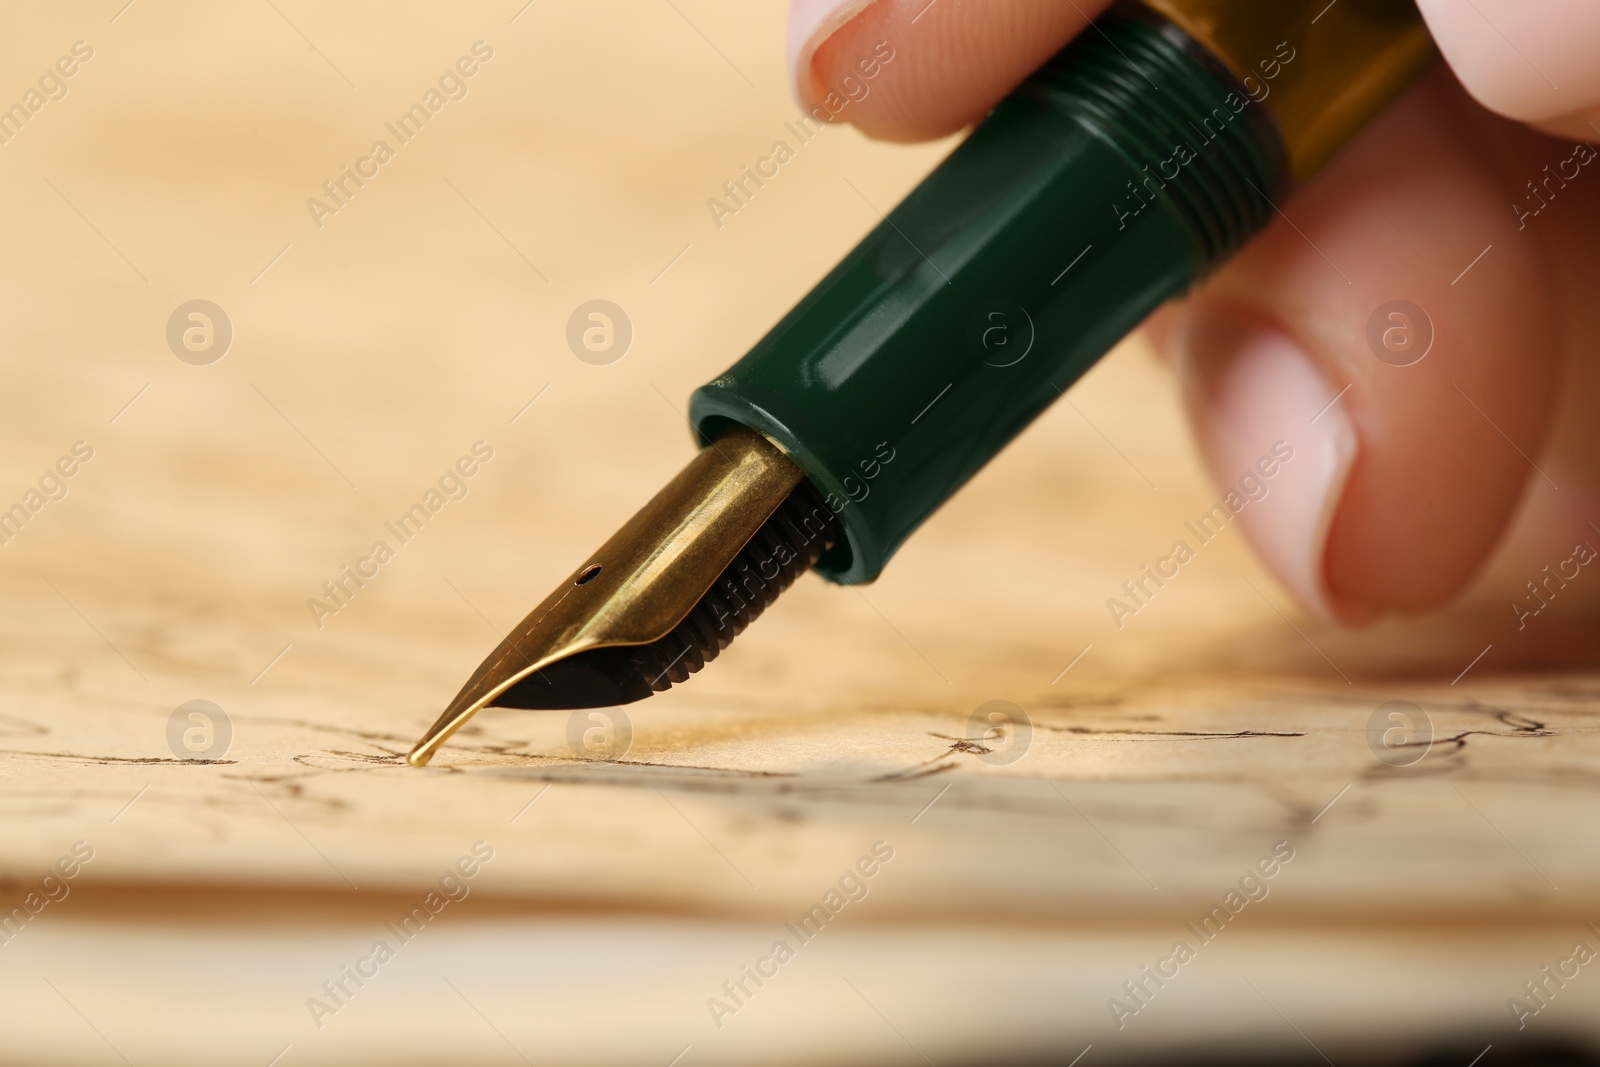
[[1402, 477], [935, 67], [1536, 63]]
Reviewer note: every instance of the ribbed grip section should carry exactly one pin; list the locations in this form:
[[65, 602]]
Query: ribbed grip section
[[787, 545], [1196, 140], [1109, 182]]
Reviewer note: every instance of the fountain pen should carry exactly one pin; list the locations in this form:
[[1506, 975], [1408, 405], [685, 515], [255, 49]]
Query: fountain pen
[[1119, 175]]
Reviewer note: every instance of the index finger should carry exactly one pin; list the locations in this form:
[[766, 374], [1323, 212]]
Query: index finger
[[936, 66]]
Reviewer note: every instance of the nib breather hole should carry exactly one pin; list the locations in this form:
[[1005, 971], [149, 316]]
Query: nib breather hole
[[789, 543]]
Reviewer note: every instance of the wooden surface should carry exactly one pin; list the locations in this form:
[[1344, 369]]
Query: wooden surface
[[372, 352]]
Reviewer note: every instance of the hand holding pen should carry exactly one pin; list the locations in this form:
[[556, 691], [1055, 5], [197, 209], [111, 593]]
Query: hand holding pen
[[1407, 357], [1401, 490]]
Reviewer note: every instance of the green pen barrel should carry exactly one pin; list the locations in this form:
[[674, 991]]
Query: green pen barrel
[[1117, 176]]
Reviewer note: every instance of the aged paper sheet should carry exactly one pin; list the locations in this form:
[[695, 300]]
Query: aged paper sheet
[[238, 862]]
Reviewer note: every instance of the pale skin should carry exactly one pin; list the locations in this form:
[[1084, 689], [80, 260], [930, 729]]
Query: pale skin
[[1469, 470]]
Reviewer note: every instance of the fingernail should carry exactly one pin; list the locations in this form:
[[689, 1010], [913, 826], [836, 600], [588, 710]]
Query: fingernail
[[810, 23], [1279, 442], [1533, 62]]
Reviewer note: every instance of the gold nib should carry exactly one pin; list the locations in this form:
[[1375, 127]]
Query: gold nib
[[599, 639]]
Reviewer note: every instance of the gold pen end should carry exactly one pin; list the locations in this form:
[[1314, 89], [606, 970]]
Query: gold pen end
[[664, 595]]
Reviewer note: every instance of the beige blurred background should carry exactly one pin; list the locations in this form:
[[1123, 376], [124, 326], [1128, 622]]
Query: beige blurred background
[[372, 351], [427, 314]]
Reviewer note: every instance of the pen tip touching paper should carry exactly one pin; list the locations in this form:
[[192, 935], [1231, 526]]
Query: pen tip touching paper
[[664, 595]]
